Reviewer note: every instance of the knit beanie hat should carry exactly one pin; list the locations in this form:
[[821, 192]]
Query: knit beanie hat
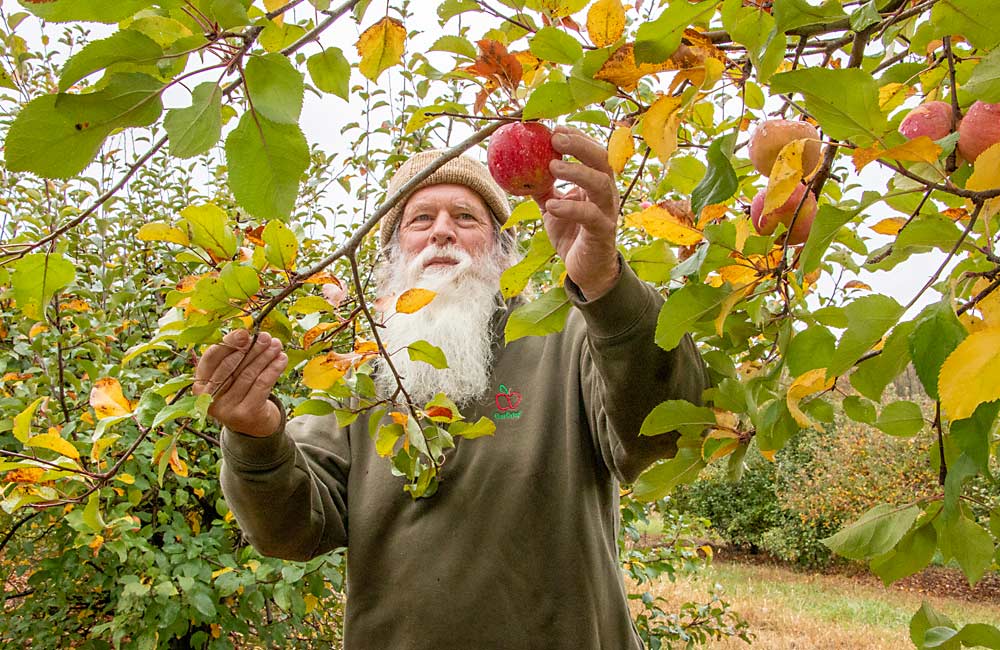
[[462, 170]]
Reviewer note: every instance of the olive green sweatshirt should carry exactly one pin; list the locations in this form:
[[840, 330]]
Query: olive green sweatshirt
[[518, 547]]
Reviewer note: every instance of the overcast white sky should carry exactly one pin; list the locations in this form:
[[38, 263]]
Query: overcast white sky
[[323, 119]]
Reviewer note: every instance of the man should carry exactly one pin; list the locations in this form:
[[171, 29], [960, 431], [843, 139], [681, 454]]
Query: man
[[518, 547]]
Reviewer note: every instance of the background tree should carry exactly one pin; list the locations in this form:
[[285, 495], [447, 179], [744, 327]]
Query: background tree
[[120, 261]]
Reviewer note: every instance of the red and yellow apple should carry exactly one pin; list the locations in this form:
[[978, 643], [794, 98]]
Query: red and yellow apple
[[771, 136], [932, 119], [979, 130], [518, 157], [766, 224]]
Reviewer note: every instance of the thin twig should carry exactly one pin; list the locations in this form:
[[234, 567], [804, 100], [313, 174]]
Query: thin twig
[[947, 259]]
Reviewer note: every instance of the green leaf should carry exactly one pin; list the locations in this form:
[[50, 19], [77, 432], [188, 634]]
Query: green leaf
[[660, 480], [524, 211], [923, 234], [980, 635], [790, 14], [165, 31], [677, 415], [545, 315], [972, 435], [515, 278], [203, 602], [966, 17], [756, 30], [57, 136], [208, 226], [194, 130], [720, 181], [266, 161], [936, 335], [865, 16], [320, 407], [331, 72], [924, 619], [240, 282], [829, 220], [938, 637], [482, 427], [385, 441], [22, 421], [451, 8], [809, 349], [984, 84], [210, 295], [971, 545], [424, 351], [868, 318], [844, 102], [456, 45], [901, 419], [872, 376], [182, 408], [126, 46], [275, 88], [92, 513], [876, 532], [550, 100], [914, 552], [653, 262], [228, 13], [552, 44], [36, 278], [280, 245], [859, 409], [691, 304], [655, 41], [99, 11]]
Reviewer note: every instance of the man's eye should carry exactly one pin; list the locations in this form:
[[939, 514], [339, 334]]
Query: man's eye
[[467, 216]]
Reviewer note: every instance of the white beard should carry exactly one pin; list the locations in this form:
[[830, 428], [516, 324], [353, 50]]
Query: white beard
[[458, 320]]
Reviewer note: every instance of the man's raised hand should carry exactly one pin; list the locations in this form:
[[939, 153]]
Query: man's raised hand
[[240, 377], [582, 222]]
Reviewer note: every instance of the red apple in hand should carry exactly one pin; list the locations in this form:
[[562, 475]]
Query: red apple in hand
[[932, 119], [765, 224], [518, 158], [979, 130], [771, 136]]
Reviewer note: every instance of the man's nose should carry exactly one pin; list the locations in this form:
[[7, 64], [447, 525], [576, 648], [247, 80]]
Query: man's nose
[[443, 231]]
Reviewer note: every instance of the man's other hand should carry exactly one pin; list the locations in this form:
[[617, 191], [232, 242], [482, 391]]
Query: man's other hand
[[582, 222], [240, 377]]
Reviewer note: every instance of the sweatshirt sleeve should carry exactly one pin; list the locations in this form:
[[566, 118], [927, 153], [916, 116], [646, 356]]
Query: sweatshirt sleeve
[[288, 491], [626, 374]]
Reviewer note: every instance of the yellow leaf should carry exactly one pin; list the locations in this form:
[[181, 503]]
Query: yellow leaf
[[970, 375], [36, 329], [310, 601], [989, 306], [621, 146], [862, 157], [785, 175], [381, 47], [127, 479], [605, 22], [310, 337], [659, 126], [857, 284], [179, 466], [222, 571], [711, 213], [813, 381], [919, 149], [272, 5], [620, 68], [107, 399], [722, 450], [101, 445], [414, 300], [322, 372], [890, 226], [893, 94], [54, 442], [738, 274], [768, 454], [743, 229], [986, 176], [729, 304], [217, 629], [23, 475], [661, 223], [87, 417], [157, 231], [399, 418]]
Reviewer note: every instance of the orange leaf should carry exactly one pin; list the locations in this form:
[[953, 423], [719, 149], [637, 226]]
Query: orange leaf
[[255, 235], [399, 418], [920, 149], [890, 226], [711, 213], [857, 284], [439, 412], [310, 337], [179, 466], [956, 214], [605, 22], [414, 300], [621, 146], [620, 68], [107, 399], [24, 475], [323, 277], [366, 348], [496, 63], [75, 305], [36, 329]]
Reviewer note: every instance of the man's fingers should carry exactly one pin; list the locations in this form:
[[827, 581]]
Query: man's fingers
[[220, 378], [584, 213], [590, 152], [246, 378], [599, 187], [265, 381]]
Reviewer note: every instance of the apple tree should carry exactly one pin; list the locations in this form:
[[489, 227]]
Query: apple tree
[[160, 190]]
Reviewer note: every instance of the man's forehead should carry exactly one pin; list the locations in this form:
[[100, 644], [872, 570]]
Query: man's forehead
[[452, 194]]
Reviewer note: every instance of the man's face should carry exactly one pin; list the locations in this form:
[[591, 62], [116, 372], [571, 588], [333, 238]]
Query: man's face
[[445, 215]]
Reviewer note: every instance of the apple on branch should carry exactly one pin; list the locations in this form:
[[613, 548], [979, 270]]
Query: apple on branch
[[933, 119], [766, 224], [518, 157], [770, 136], [979, 130]]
